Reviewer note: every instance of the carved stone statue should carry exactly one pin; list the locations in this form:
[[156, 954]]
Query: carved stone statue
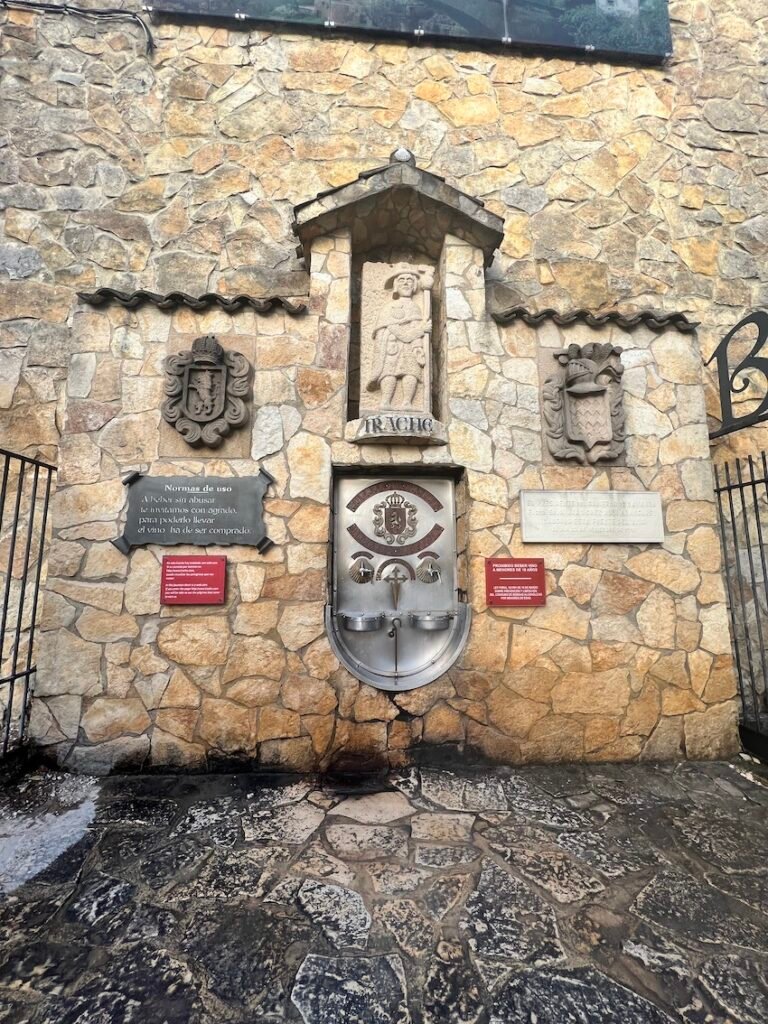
[[205, 390], [583, 405], [396, 337]]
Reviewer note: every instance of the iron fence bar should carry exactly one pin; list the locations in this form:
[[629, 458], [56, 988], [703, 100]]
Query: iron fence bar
[[741, 593], [26, 458], [735, 487], [17, 675], [758, 613], [761, 545], [729, 587], [7, 588], [4, 488], [20, 610], [41, 547]]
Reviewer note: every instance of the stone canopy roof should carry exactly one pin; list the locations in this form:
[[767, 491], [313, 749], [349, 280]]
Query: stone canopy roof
[[398, 205]]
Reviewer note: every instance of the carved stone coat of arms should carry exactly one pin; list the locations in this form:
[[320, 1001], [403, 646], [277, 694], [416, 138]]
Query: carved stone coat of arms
[[583, 405], [205, 392]]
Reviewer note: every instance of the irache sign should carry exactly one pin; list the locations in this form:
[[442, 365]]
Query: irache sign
[[207, 511]]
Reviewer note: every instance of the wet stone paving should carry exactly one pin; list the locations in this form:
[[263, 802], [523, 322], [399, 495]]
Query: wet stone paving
[[547, 895]]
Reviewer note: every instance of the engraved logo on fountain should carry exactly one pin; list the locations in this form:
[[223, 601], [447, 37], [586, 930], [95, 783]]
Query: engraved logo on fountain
[[395, 519]]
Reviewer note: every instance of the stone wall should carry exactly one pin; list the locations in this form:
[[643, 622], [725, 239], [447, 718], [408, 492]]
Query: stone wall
[[640, 187], [619, 186], [630, 657]]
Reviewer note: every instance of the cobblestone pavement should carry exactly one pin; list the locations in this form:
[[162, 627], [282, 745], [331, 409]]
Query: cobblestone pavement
[[557, 895]]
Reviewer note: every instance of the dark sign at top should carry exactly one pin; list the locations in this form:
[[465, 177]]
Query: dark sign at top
[[636, 29], [208, 511]]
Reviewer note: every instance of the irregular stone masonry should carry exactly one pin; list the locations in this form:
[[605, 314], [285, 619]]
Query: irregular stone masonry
[[550, 894], [636, 187]]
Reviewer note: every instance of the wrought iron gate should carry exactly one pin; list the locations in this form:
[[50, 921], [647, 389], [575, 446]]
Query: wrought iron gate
[[25, 491], [742, 492]]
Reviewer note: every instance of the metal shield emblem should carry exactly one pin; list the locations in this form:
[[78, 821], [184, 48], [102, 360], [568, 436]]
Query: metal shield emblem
[[394, 520]]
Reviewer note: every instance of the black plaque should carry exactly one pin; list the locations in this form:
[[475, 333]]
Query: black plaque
[[209, 511]]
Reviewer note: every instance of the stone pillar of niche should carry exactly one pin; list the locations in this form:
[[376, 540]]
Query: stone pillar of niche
[[470, 349], [398, 342], [330, 301], [330, 296]]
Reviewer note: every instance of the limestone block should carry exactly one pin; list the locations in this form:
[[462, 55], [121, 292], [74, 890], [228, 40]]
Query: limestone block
[[104, 560], [277, 723], [106, 596], [487, 646], [293, 754], [196, 641], [643, 711], [319, 659], [711, 734], [300, 624], [109, 719], [181, 692], [67, 665], [250, 580], [168, 750], [227, 726], [513, 715], [657, 619], [308, 696], [715, 631], [254, 657], [58, 613], [598, 693], [470, 447], [132, 439], [562, 616], [703, 546], [142, 587], [88, 503], [528, 644], [671, 571], [374, 705], [579, 582], [256, 618], [104, 627], [255, 692], [443, 724], [309, 461], [310, 524], [554, 738], [619, 594]]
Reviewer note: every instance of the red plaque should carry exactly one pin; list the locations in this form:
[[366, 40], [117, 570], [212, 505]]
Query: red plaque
[[516, 582], [193, 579]]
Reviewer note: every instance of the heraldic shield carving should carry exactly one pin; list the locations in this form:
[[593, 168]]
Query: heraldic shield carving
[[206, 390], [583, 405]]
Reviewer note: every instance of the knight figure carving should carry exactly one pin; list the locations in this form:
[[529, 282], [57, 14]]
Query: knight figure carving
[[398, 357]]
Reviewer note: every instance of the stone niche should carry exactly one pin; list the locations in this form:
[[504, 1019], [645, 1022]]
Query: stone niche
[[400, 220]]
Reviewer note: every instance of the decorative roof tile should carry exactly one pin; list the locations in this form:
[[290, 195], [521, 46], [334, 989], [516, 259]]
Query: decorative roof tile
[[627, 321], [174, 300]]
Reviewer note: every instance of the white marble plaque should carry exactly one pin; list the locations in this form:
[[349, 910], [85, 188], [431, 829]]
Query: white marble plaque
[[591, 517]]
